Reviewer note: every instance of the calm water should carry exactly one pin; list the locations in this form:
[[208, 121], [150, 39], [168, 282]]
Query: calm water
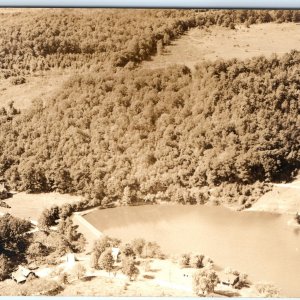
[[259, 244]]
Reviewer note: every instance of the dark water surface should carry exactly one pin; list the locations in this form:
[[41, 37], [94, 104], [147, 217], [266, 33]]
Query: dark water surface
[[259, 244]]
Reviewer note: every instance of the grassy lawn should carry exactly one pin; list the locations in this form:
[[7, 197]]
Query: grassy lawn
[[217, 42], [283, 198], [31, 205], [36, 87]]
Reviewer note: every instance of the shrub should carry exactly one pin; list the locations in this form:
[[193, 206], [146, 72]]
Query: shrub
[[39, 287], [267, 290]]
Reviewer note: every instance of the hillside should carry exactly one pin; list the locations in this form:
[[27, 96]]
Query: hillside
[[146, 134], [116, 132]]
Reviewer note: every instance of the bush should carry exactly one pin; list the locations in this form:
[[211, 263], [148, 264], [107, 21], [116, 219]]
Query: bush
[[40, 287], [267, 290]]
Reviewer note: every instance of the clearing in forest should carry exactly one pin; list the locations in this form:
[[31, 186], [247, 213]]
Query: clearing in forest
[[223, 43], [31, 206], [36, 87], [283, 198]]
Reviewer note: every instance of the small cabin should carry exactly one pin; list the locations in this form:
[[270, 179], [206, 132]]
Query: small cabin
[[22, 274], [70, 260], [229, 279]]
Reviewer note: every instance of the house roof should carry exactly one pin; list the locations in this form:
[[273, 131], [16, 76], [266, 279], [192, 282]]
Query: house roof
[[115, 251], [21, 274], [228, 278]]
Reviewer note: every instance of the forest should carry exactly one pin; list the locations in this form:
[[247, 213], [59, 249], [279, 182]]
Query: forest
[[118, 134], [40, 40]]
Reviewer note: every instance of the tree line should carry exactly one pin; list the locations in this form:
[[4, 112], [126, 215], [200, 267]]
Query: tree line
[[33, 42]]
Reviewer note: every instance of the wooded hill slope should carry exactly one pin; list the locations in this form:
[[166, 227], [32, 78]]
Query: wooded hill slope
[[130, 135], [163, 133]]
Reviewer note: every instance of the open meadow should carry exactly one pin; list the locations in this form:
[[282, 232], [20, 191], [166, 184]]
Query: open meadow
[[215, 42]]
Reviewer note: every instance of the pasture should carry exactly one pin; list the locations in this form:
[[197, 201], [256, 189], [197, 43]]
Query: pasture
[[222, 43]]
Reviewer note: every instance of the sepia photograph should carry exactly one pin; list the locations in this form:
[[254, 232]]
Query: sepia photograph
[[149, 152]]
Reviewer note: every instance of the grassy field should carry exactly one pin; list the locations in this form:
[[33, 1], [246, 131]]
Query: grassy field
[[42, 87], [218, 42], [284, 198], [30, 206]]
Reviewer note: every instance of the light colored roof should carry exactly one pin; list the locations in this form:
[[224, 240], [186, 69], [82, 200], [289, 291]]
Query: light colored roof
[[228, 278], [115, 250], [21, 274]]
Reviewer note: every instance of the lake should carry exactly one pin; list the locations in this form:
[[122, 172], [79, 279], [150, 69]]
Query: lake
[[259, 244]]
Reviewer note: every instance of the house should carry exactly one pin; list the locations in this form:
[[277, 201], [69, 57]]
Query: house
[[115, 252], [228, 279], [70, 260], [22, 274]]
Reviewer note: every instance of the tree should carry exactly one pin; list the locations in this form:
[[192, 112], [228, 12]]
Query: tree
[[152, 250], [65, 211], [137, 246], [185, 260], [75, 239], [12, 238], [204, 281], [196, 261], [101, 245], [159, 47], [45, 220], [126, 251], [5, 267], [35, 250], [129, 268], [127, 196], [106, 261]]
